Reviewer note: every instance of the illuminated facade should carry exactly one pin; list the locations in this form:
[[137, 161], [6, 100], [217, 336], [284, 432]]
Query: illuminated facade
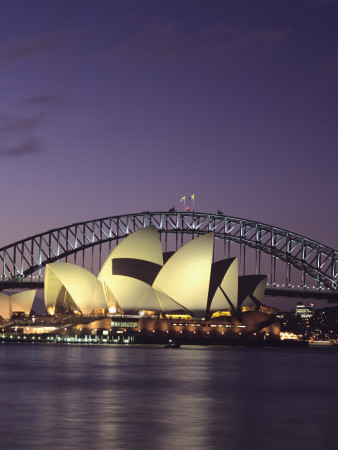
[[20, 303], [138, 329]]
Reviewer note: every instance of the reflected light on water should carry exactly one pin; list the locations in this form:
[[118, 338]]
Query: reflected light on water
[[139, 397]]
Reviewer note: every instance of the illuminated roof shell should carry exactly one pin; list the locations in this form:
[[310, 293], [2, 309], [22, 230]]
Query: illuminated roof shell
[[71, 286], [251, 290], [158, 301], [125, 292], [5, 306], [143, 244], [129, 295], [19, 302], [23, 301], [186, 275], [226, 295]]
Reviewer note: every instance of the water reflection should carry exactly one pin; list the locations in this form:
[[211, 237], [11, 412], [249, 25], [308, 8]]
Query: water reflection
[[103, 397]]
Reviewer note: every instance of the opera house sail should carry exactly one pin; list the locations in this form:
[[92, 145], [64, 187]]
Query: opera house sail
[[70, 288], [186, 275], [19, 303]]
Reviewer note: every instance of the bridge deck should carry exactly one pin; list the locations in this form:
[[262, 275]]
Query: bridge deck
[[271, 292]]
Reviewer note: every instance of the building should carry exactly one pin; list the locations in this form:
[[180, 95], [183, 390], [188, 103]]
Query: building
[[305, 311], [149, 294]]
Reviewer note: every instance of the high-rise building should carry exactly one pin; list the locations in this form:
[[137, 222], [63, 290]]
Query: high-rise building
[[305, 311]]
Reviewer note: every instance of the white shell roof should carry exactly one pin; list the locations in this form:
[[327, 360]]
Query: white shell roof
[[158, 301], [143, 244], [186, 275], [19, 302], [83, 287], [229, 286], [5, 306], [23, 301], [251, 286], [127, 291]]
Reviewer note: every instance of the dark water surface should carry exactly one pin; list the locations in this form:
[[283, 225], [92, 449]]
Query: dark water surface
[[142, 397]]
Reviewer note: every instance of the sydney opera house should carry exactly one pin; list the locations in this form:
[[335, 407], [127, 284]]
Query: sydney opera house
[[149, 295]]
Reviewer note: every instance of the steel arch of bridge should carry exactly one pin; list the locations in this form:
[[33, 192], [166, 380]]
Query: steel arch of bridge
[[311, 258]]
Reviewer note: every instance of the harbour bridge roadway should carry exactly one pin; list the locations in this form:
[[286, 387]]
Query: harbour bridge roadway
[[269, 292], [296, 265]]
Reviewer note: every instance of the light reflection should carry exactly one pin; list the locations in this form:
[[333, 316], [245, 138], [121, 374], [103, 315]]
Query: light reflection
[[191, 398]]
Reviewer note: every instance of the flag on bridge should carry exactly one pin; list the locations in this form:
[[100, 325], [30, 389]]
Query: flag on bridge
[[183, 200], [192, 197]]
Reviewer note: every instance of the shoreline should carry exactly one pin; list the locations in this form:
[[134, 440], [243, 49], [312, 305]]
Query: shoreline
[[66, 340]]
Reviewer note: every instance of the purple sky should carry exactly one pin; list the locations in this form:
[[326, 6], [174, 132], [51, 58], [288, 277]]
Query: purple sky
[[115, 107]]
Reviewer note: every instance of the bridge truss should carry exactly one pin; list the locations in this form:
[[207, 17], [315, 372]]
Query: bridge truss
[[291, 261]]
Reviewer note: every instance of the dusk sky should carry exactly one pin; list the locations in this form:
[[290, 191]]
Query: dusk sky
[[112, 107]]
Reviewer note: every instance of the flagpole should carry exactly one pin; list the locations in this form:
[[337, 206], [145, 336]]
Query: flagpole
[[192, 197]]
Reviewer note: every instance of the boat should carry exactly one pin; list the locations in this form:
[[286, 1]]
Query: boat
[[172, 344], [320, 343]]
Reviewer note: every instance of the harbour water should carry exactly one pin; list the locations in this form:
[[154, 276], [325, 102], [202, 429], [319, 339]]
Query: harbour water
[[147, 397]]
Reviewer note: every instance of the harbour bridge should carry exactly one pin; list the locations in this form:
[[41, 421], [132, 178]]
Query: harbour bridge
[[296, 266]]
